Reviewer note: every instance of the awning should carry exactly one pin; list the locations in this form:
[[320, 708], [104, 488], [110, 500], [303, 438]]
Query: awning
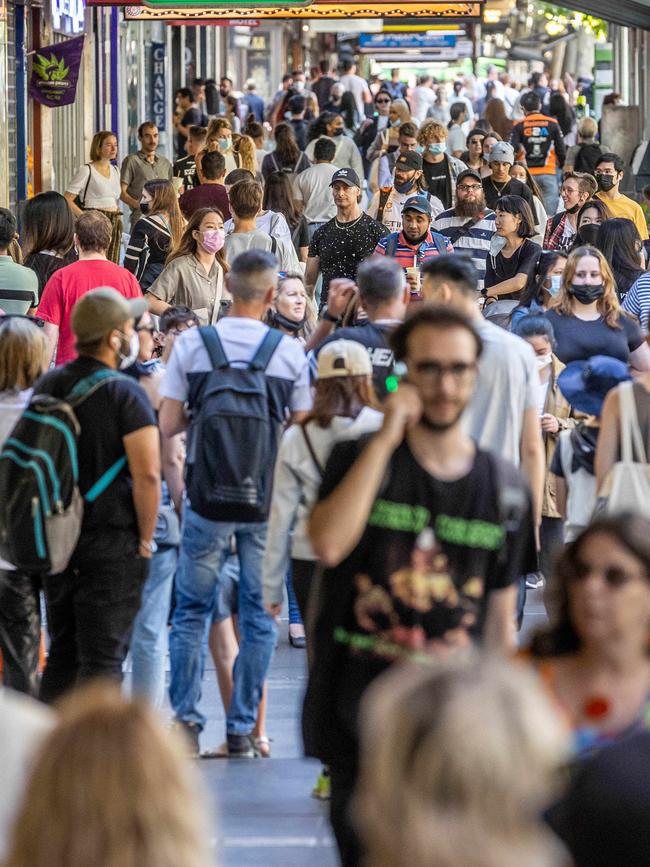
[[160, 10], [626, 13]]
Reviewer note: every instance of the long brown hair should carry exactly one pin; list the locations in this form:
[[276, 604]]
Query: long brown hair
[[247, 153], [608, 306], [286, 147], [341, 395], [495, 115], [110, 787], [187, 245], [631, 532], [165, 201]]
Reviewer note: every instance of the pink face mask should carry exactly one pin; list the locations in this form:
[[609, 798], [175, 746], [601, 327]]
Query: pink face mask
[[213, 240]]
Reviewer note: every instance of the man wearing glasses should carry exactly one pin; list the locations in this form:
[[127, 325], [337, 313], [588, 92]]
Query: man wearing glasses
[[470, 224], [421, 546]]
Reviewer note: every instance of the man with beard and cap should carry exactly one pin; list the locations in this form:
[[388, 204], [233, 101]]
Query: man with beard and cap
[[470, 224], [387, 204], [416, 243]]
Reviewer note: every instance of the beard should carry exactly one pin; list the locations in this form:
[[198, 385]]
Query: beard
[[440, 427], [470, 208]]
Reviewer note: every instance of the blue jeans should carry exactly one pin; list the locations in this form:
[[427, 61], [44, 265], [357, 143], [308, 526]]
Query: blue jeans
[[204, 547], [294, 610], [149, 641], [549, 189]]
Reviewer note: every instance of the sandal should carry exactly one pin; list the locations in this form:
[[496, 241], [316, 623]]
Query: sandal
[[263, 744]]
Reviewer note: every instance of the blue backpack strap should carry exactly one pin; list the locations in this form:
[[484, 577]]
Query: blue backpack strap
[[84, 387], [265, 350], [213, 347], [391, 244], [440, 242], [105, 480]]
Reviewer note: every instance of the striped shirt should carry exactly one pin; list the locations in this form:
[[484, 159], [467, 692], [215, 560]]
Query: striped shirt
[[476, 238], [637, 301], [410, 255]]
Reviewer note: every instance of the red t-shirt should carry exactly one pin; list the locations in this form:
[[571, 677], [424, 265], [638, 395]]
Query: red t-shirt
[[66, 286]]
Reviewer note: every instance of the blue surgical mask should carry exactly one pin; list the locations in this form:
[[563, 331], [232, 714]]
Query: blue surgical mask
[[437, 148], [224, 144], [419, 149], [556, 283], [403, 188], [395, 123]]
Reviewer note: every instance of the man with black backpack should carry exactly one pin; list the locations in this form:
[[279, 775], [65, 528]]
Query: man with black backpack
[[240, 381], [89, 432]]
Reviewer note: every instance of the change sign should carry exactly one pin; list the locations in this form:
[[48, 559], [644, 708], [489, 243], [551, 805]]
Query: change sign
[[55, 70], [158, 89]]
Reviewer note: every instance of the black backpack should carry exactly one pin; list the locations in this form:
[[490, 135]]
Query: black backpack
[[232, 437], [41, 507], [587, 157]]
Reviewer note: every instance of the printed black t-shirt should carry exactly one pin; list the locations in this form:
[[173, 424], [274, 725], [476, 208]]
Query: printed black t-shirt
[[118, 408], [375, 338], [431, 553], [438, 181], [341, 250]]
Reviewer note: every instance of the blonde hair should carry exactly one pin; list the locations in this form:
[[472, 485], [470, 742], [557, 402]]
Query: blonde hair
[[458, 760], [608, 306], [402, 109], [587, 128], [24, 353], [247, 151], [110, 787], [96, 144], [214, 128], [429, 130]]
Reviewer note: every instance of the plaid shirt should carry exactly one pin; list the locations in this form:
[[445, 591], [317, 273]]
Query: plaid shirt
[[554, 238]]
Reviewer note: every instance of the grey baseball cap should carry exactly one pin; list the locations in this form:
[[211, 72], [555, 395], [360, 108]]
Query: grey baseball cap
[[502, 152]]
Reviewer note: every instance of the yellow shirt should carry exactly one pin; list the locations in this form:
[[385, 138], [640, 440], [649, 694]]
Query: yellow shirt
[[628, 209]]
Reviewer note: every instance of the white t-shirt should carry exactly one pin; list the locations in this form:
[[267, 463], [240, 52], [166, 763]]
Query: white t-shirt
[[239, 242], [102, 192], [422, 100], [313, 188], [270, 222], [507, 386], [357, 86], [456, 138], [392, 217], [240, 338]]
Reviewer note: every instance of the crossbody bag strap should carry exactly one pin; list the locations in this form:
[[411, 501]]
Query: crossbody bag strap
[[311, 450], [90, 174], [631, 439]]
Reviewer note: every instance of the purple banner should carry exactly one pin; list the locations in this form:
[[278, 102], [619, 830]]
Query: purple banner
[[55, 70]]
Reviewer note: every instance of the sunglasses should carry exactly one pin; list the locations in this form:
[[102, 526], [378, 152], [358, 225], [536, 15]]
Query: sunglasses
[[383, 101], [614, 576]]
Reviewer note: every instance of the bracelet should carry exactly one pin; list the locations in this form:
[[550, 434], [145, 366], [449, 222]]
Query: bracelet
[[151, 547], [328, 317]]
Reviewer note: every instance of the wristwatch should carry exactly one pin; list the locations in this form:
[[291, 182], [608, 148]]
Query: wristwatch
[[328, 317], [151, 547]]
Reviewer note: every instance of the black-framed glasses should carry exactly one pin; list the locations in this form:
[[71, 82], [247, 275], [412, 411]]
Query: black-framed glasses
[[35, 319], [466, 188], [434, 370]]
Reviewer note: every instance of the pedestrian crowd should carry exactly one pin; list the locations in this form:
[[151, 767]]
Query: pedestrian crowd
[[375, 352]]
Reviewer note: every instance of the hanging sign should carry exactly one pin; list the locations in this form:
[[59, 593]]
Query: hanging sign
[[158, 89], [55, 70]]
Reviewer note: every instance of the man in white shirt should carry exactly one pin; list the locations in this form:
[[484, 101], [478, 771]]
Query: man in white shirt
[[422, 98], [313, 186], [357, 86]]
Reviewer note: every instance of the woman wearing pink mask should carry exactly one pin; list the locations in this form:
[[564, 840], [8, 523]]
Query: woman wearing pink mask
[[194, 270]]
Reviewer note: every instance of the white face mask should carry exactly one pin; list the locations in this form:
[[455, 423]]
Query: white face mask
[[543, 360], [134, 349]]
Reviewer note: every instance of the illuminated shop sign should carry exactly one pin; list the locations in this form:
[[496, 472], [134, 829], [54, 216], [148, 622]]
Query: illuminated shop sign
[[68, 16]]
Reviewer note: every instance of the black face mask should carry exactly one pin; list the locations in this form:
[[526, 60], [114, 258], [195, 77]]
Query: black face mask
[[605, 182], [587, 294], [290, 324], [338, 131], [588, 234], [574, 209], [145, 207]]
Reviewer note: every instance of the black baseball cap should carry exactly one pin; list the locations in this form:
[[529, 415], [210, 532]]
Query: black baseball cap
[[469, 173], [410, 162], [346, 176], [418, 203]]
